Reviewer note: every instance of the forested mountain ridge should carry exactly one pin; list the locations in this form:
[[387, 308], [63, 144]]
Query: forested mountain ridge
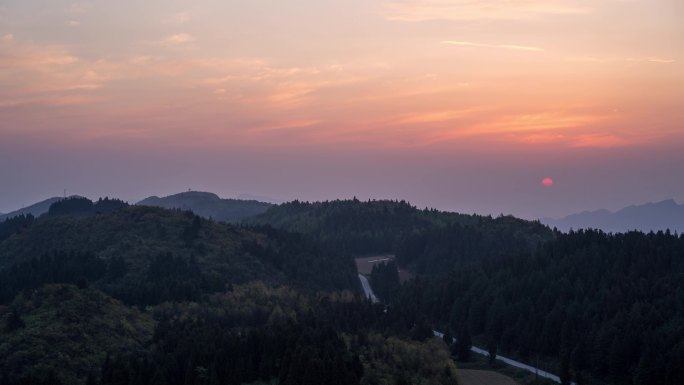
[[604, 308], [252, 302], [209, 205], [216, 310], [139, 253], [36, 209], [385, 226]]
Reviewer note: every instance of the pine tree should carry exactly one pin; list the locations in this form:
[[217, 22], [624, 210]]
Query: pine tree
[[463, 344], [13, 321], [448, 338], [565, 375], [491, 349]]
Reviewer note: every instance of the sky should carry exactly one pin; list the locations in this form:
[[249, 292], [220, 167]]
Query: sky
[[525, 107]]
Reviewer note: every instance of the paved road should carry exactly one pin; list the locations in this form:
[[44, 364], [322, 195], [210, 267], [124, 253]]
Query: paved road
[[369, 293], [367, 288]]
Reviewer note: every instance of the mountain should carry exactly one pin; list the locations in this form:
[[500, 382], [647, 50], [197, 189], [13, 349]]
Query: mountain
[[424, 240], [209, 205], [605, 308], [650, 216], [36, 209], [260, 198], [143, 295], [147, 255]]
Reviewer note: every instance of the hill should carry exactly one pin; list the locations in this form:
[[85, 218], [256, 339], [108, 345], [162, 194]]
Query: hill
[[597, 307], [415, 235], [36, 209], [145, 255], [662, 215], [209, 205], [145, 295], [62, 334]]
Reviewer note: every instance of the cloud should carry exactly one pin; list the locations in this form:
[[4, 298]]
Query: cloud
[[599, 140], [503, 46], [179, 38], [179, 18], [51, 75], [434, 116], [74, 23], [78, 8], [653, 60], [648, 59], [7, 37], [426, 10]]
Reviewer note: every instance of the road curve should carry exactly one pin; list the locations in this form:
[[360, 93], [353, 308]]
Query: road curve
[[368, 291], [367, 288]]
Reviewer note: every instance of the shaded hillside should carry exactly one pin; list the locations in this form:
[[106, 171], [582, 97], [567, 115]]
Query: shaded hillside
[[607, 307], [35, 210], [356, 227], [144, 255], [15, 224], [62, 334], [58, 275], [209, 205], [75, 206], [437, 250], [647, 217], [257, 334]]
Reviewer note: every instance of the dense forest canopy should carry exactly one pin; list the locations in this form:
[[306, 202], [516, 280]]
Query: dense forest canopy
[[276, 299], [102, 292], [251, 333], [603, 307], [383, 226], [146, 255]]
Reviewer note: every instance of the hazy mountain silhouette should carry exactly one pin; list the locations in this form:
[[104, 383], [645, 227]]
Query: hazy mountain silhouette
[[662, 215], [36, 209], [209, 205], [260, 198]]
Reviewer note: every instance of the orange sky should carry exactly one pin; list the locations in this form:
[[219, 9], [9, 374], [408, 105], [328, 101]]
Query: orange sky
[[416, 78]]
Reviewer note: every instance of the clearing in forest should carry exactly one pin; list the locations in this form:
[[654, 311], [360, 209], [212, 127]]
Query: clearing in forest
[[365, 265]]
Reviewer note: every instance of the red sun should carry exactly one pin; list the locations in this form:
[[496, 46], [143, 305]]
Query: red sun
[[547, 182]]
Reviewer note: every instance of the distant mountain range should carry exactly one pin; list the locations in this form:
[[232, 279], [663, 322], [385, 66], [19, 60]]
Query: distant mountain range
[[209, 205], [204, 204], [663, 215], [260, 198], [650, 216], [36, 209]]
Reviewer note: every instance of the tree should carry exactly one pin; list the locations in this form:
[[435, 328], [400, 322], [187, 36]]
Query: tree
[[565, 375], [91, 379], [448, 338], [13, 321], [463, 344], [491, 349], [421, 331]]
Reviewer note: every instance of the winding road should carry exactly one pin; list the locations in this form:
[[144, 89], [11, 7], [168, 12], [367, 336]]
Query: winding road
[[541, 373], [367, 288]]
